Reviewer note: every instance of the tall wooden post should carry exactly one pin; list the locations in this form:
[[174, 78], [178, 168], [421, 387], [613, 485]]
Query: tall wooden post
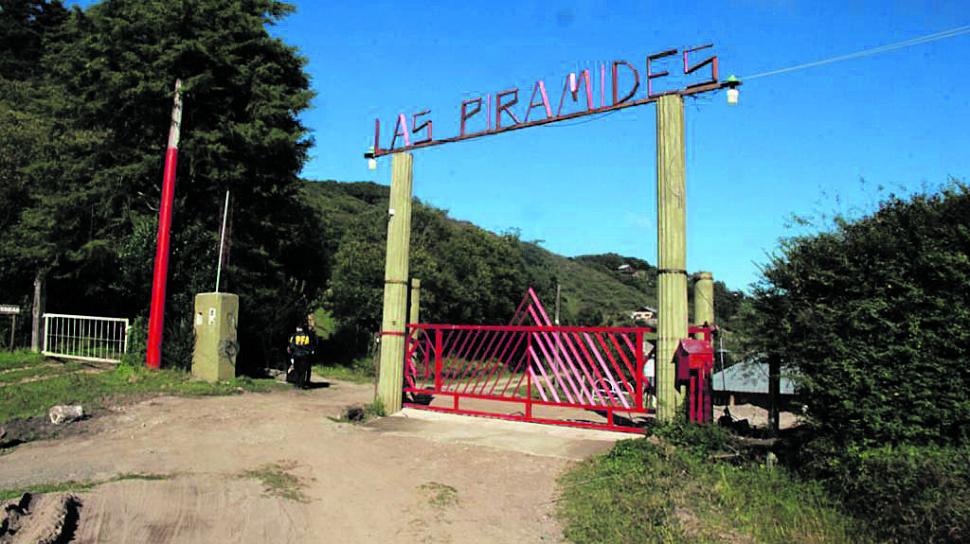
[[774, 394], [703, 299], [671, 250], [396, 284], [414, 314], [37, 313]]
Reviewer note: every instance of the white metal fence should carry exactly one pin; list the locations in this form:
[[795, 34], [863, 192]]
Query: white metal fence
[[85, 337]]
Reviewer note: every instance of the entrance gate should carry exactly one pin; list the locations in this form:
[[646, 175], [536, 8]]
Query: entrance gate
[[564, 357], [594, 377]]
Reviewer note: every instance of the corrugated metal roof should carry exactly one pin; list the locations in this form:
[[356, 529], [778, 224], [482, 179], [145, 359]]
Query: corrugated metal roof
[[749, 377]]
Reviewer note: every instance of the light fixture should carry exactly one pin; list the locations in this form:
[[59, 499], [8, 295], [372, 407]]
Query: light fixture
[[371, 159], [732, 93]]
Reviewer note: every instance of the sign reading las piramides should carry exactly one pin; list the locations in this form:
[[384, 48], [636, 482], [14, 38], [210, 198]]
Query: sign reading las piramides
[[612, 86]]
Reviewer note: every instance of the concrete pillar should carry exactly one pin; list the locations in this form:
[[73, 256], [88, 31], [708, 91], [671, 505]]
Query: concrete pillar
[[391, 377], [216, 343], [671, 251], [703, 299]]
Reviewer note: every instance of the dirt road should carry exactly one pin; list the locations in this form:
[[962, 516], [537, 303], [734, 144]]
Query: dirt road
[[274, 468]]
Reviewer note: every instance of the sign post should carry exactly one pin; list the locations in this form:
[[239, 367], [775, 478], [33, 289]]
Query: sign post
[[13, 311], [391, 377]]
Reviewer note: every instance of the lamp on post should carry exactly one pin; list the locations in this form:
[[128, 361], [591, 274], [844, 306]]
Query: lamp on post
[[732, 93], [371, 159]]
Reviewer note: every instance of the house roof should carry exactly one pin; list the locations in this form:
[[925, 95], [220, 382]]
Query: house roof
[[749, 377]]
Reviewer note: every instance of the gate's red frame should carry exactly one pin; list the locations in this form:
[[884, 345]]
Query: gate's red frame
[[599, 369]]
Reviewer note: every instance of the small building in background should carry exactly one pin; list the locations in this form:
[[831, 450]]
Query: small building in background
[[747, 383], [644, 313]]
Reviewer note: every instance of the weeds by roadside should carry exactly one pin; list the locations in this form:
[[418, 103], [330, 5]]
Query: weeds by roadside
[[278, 480], [439, 495], [677, 490], [93, 390], [76, 485]]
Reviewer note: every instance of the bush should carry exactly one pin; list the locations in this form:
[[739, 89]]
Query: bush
[[869, 314], [908, 494]]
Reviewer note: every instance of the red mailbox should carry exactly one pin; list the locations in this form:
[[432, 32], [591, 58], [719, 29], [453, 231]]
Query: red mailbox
[[693, 355], [695, 361]]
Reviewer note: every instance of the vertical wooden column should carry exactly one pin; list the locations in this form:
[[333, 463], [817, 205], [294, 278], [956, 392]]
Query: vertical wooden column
[[671, 250], [414, 314], [396, 284], [774, 394], [703, 300], [37, 313], [704, 314]]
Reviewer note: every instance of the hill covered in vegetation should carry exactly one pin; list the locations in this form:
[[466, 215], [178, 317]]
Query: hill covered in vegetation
[[468, 274]]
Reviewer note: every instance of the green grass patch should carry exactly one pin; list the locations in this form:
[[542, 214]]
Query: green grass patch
[[360, 371], [75, 485], [278, 480], [38, 371], [439, 495], [19, 359], [645, 492], [93, 390]]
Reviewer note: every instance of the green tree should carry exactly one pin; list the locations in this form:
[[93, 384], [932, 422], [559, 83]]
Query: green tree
[[93, 196]]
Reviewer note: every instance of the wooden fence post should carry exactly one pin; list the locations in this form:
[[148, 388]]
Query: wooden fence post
[[37, 312], [774, 394]]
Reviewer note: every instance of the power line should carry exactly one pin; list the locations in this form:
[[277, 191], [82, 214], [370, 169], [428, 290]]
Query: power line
[[953, 32]]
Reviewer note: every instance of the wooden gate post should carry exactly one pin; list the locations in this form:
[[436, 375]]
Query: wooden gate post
[[414, 315], [703, 300], [391, 377], [37, 313], [671, 251]]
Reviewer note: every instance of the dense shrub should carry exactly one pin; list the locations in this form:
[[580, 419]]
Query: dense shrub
[[909, 494], [872, 316]]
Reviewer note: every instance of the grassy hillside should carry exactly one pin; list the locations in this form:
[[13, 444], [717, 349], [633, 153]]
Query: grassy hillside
[[469, 275]]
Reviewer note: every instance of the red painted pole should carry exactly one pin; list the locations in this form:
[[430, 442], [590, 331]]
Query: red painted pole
[[156, 319]]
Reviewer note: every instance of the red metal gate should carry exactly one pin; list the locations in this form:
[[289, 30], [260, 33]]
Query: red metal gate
[[578, 376], [593, 377]]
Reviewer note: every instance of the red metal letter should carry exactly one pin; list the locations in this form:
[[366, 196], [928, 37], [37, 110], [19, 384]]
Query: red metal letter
[[417, 127], [466, 115], [651, 76], [541, 89], [377, 137], [401, 129], [572, 84], [500, 107], [636, 81], [712, 60]]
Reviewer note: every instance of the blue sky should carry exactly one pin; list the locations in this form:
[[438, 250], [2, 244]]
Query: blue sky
[[798, 143]]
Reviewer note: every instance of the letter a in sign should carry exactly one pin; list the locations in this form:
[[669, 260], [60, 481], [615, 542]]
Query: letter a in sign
[[541, 89], [401, 129]]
